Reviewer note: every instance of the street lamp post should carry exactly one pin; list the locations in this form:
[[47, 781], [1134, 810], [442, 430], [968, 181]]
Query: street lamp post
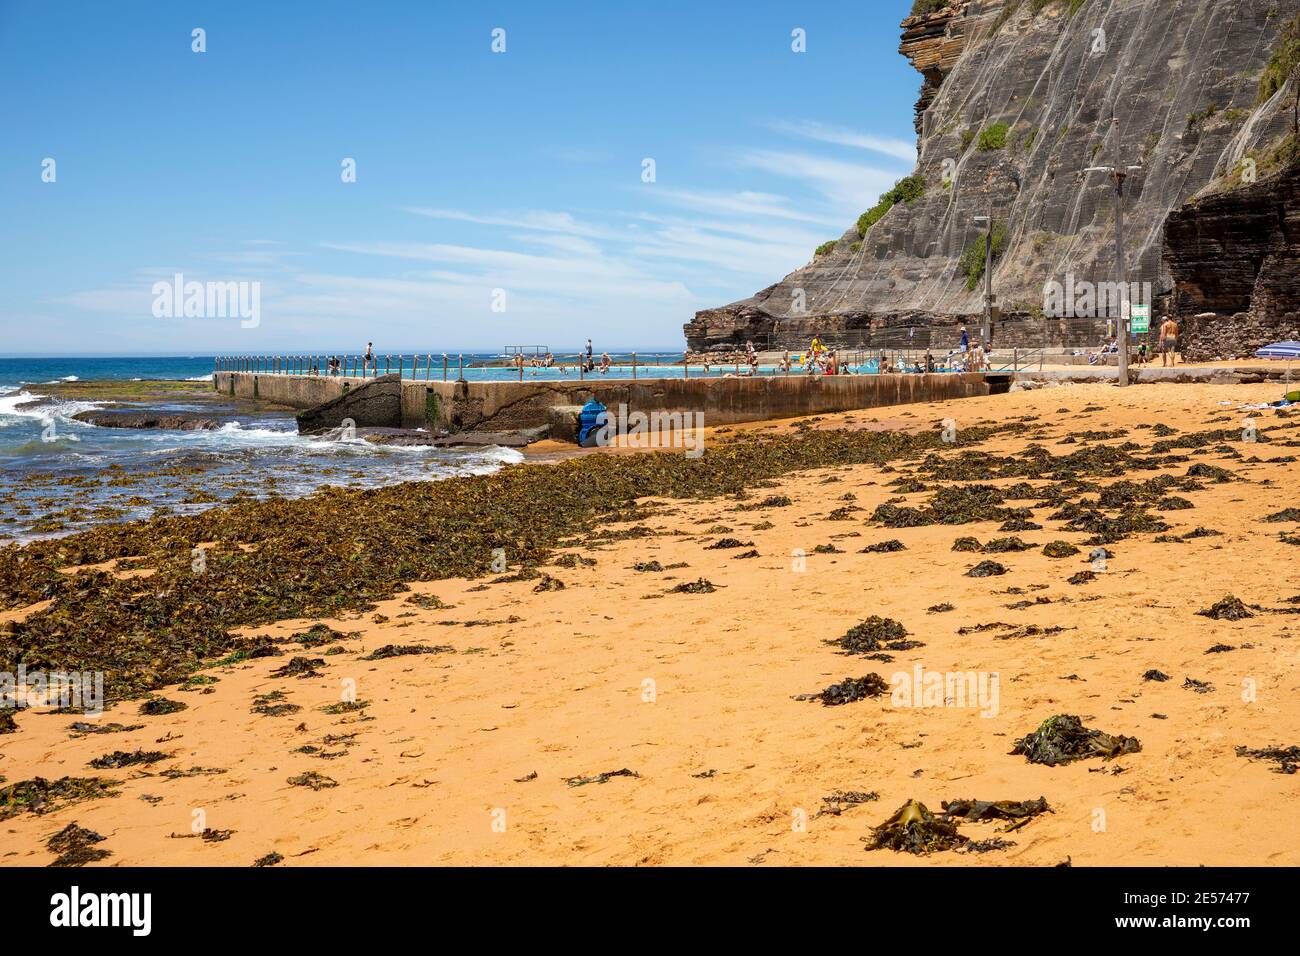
[[986, 332], [1119, 174]]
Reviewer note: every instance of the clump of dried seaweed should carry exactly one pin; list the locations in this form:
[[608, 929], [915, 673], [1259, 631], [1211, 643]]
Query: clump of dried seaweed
[[1063, 739], [600, 777], [849, 690], [313, 780], [75, 846], [698, 586], [403, 650], [876, 633], [159, 706], [840, 800], [1227, 608], [1060, 549], [986, 569], [122, 758], [39, 795], [273, 704], [300, 667], [884, 547], [723, 544], [976, 811], [1288, 758], [914, 829]]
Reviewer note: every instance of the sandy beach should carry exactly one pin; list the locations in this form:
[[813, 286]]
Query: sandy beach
[[491, 749]]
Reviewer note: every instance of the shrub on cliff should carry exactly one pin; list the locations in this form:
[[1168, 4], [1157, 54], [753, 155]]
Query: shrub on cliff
[[1284, 62], [824, 248], [972, 257], [907, 189], [994, 137], [922, 7]]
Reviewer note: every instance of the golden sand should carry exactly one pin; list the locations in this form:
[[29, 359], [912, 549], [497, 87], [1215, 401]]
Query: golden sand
[[462, 758]]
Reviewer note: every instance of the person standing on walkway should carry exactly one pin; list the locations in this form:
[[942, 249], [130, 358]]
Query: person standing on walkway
[[1168, 342]]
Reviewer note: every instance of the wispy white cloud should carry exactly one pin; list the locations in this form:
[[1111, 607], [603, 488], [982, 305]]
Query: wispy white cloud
[[904, 150], [845, 185]]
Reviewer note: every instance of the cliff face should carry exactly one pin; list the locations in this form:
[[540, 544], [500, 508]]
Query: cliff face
[[1018, 98], [1235, 258]]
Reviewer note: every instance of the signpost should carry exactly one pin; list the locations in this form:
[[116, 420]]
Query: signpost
[[1141, 319]]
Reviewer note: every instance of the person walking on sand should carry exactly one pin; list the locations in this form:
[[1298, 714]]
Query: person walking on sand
[[1168, 342]]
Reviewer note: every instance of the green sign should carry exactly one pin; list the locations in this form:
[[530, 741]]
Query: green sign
[[1141, 319]]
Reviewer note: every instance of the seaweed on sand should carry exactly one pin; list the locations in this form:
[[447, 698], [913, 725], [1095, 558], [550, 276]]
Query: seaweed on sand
[[939, 608], [850, 689], [1288, 758], [159, 706], [122, 758], [751, 553], [427, 602], [273, 704], [827, 549], [876, 633], [1082, 577], [699, 586], [319, 634], [1060, 549], [986, 569], [647, 566], [314, 780], [950, 506], [1155, 675], [271, 859], [914, 829], [837, 802], [343, 549], [7, 723], [403, 650], [75, 846], [1227, 608], [976, 811], [1063, 739], [345, 707], [600, 777], [1020, 524], [723, 544], [79, 727], [1286, 514], [39, 795], [300, 667], [1006, 546], [968, 544], [884, 547]]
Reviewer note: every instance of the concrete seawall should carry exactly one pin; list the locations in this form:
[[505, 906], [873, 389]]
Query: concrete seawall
[[505, 406]]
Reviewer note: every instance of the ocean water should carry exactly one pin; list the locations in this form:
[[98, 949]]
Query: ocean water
[[59, 475]]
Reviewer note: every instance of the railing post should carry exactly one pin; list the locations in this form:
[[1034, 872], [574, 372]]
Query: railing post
[[634, 366], [444, 366], [460, 358]]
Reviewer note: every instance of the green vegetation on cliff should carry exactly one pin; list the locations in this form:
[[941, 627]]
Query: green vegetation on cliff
[[972, 257], [994, 137], [908, 189], [825, 247], [1284, 62]]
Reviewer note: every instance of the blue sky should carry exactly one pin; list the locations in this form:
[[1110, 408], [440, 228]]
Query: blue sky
[[476, 171]]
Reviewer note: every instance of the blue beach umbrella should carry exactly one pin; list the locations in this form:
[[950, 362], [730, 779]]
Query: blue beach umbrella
[[1280, 350]]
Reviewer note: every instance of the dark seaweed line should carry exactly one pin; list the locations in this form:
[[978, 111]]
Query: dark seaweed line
[[343, 549]]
